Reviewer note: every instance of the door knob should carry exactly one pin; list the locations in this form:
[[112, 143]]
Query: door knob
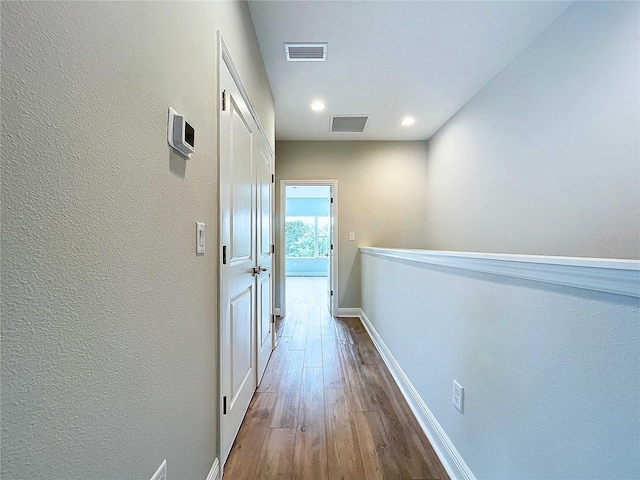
[[258, 269]]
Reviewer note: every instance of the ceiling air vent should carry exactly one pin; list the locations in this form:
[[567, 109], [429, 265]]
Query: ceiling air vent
[[349, 123], [306, 52]]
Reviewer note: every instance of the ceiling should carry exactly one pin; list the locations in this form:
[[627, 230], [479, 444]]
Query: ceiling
[[389, 59]]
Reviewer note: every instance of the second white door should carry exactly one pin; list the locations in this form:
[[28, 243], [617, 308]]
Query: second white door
[[264, 189]]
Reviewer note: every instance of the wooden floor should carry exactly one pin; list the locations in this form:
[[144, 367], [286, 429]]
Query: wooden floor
[[327, 407]]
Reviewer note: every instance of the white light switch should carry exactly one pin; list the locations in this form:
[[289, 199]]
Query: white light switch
[[352, 236], [200, 238]]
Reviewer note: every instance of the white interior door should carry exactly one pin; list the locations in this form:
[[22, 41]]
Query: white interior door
[[264, 284], [238, 259]]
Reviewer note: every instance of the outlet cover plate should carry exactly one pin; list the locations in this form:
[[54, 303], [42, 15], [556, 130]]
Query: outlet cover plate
[[458, 396], [161, 473]]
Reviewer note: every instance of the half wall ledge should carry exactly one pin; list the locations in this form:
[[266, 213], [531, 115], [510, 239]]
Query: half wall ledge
[[617, 276]]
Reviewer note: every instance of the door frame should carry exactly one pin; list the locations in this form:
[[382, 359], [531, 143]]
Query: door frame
[[282, 260]]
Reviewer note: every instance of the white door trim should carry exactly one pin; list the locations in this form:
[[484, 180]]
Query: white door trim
[[282, 267]]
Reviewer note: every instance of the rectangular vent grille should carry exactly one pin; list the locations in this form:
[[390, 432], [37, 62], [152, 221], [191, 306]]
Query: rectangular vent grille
[[305, 52], [349, 123]]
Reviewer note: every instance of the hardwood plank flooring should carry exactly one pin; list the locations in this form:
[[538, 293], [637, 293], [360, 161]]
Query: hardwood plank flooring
[[327, 407], [285, 409], [276, 457], [251, 437], [310, 455], [345, 460]]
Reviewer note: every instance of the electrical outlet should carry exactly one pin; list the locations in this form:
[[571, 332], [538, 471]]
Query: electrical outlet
[[161, 473], [365, 294], [458, 396]]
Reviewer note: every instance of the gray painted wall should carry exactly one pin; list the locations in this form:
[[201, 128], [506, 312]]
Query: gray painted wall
[[307, 267], [381, 197], [109, 320], [546, 158], [543, 367]]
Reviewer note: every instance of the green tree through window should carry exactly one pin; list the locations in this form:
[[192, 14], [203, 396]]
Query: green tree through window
[[299, 239]]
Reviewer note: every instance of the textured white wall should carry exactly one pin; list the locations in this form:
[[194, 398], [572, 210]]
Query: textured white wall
[[546, 158], [551, 379], [109, 320], [381, 196]]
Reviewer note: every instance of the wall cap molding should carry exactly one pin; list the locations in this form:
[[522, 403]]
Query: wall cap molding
[[621, 277]]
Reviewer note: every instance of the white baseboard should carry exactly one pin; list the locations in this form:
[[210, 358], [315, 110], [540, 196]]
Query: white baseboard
[[449, 456], [214, 473], [349, 312]]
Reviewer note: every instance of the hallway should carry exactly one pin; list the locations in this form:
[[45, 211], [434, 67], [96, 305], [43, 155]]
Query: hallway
[[327, 407]]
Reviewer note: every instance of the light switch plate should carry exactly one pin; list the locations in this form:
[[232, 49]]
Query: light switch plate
[[200, 238], [352, 236]]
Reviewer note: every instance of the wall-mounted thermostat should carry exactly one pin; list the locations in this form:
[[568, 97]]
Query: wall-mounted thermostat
[[180, 134]]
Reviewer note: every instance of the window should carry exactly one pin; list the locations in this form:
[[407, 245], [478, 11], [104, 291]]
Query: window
[[306, 236]]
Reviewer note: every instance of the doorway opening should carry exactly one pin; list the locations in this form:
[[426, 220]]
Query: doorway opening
[[308, 250]]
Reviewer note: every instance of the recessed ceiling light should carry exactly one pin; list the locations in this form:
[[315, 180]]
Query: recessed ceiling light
[[406, 121], [318, 106]]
